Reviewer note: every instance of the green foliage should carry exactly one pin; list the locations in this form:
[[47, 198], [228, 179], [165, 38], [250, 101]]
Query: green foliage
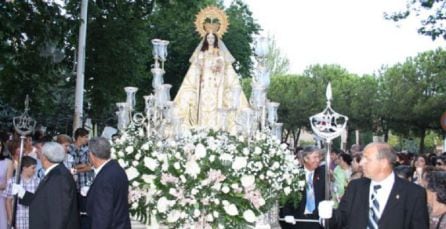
[[275, 61], [432, 13], [32, 47], [413, 94]]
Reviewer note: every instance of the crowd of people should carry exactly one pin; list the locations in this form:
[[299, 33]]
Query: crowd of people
[[63, 184], [410, 189]]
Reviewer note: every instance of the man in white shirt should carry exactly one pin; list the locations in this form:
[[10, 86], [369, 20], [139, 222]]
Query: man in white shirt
[[380, 199]]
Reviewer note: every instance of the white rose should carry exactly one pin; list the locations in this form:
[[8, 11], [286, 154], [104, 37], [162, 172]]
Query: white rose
[[301, 183], [225, 202], [259, 165], [129, 149], [134, 205], [212, 158], [287, 190], [234, 186], [245, 151], [226, 157], [135, 163], [200, 151], [120, 153], [257, 150], [247, 181], [162, 204], [122, 163], [164, 166], [112, 150], [150, 163], [216, 186], [262, 177], [197, 213], [194, 191], [215, 213], [176, 165], [261, 201], [209, 218], [173, 216], [138, 156], [192, 168], [225, 189], [276, 165], [239, 163], [183, 178], [217, 201], [249, 216], [132, 173], [231, 209], [145, 146]]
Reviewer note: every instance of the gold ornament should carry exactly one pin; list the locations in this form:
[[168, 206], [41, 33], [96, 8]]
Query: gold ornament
[[211, 19]]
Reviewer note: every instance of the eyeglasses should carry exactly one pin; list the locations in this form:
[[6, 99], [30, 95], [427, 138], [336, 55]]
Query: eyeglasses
[[439, 163]]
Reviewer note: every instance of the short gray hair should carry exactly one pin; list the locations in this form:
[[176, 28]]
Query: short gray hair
[[385, 151], [100, 147], [54, 152], [309, 150]]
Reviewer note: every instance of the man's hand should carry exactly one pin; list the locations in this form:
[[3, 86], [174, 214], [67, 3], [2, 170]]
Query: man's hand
[[18, 190], [325, 209]]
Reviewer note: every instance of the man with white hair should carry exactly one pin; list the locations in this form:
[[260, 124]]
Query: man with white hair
[[54, 204]]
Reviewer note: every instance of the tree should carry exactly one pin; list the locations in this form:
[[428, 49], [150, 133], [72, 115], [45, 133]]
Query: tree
[[33, 49], [432, 12], [414, 94], [275, 61]]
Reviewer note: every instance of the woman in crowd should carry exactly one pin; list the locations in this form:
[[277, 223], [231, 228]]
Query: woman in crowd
[[436, 198], [356, 168], [341, 175], [5, 174], [419, 167]]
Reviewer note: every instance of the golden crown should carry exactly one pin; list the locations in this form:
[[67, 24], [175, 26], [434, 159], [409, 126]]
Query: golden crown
[[211, 19]]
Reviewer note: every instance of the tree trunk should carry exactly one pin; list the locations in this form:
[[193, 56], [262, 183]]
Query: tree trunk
[[422, 137]]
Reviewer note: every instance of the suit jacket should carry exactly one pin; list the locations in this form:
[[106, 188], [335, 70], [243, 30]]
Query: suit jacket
[[298, 213], [54, 204], [406, 207], [107, 199]]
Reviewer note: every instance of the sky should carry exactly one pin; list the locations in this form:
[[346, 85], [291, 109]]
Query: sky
[[350, 33]]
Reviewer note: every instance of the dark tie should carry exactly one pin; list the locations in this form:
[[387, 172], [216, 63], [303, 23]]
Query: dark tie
[[374, 209]]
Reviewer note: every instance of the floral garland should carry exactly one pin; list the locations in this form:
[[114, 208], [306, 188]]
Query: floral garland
[[207, 179]]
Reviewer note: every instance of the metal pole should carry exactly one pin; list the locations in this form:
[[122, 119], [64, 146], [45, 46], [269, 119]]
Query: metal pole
[[79, 93], [327, 177]]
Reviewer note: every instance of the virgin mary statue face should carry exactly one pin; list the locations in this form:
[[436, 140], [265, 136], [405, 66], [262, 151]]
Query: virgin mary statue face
[[210, 39]]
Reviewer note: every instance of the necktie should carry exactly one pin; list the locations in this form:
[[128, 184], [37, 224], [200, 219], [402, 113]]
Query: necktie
[[374, 209], [310, 201]]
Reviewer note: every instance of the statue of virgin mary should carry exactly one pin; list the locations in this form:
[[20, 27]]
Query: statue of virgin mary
[[210, 95]]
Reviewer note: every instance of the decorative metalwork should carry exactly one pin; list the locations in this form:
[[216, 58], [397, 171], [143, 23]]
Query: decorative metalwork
[[328, 125], [24, 124]]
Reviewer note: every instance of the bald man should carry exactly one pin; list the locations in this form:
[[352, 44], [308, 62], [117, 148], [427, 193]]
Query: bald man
[[380, 199]]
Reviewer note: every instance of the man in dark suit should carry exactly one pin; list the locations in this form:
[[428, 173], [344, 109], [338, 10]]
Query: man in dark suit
[[54, 204], [381, 199], [314, 193], [107, 198]]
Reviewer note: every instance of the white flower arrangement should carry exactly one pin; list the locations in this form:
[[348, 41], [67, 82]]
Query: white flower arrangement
[[207, 179]]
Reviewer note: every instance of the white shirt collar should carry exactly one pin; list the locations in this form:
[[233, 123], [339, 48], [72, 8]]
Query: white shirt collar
[[97, 170], [48, 170], [386, 183], [384, 192]]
